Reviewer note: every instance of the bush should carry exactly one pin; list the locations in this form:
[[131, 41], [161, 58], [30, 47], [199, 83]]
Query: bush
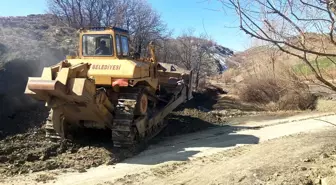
[[276, 90]]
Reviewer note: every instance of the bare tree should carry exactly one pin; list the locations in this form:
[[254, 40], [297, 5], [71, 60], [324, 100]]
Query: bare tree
[[204, 61], [137, 16], [166, 51], [301, 28], [192, 52], [145, 25], [274, 54]]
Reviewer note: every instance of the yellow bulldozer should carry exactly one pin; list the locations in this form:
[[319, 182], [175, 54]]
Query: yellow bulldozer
[[105, 87]]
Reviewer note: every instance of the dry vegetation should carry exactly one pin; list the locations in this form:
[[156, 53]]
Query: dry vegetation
[[268, 78], [281, 90], [278, 80], [301, 29]]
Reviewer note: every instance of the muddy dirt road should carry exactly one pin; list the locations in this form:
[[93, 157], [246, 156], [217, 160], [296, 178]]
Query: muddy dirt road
[[213, 156]]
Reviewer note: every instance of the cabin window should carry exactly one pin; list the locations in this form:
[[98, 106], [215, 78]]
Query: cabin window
[[97, 45], [118, 45], [124, 44]]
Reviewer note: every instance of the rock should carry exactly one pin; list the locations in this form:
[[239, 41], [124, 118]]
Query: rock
[[94, 164], [68, 41], [203, 109], [73, 150], [51, 165], [328, 181], [109, 162], [81, 170], [43, 157], [44, 178], [242, 178], [84, 149], [303, 168], [3, 159], [32, 157], [307, 182], [306, 160], [276, 174], [317, 181], [324, 156], [20, 162], [2, 171]]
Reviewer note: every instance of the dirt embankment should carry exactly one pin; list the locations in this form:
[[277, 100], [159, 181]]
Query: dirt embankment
[[31, 152], [27, 44]]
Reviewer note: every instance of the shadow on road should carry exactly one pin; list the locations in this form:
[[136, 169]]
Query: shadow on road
[[165, 147], [183, 138]]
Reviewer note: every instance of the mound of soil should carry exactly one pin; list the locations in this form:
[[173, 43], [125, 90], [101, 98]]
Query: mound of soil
[[19, 112], [31, 152], [31, 117], [27, 44]]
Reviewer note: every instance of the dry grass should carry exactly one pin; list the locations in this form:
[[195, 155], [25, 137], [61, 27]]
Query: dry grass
[[44, 178], [276, 90], [323, 105], [229, 76]]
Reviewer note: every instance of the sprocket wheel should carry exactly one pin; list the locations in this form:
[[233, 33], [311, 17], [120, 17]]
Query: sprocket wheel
[[142, 104]]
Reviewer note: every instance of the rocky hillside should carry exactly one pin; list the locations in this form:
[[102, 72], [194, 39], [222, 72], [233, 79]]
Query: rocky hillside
[[32, 37], [222, 55]]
